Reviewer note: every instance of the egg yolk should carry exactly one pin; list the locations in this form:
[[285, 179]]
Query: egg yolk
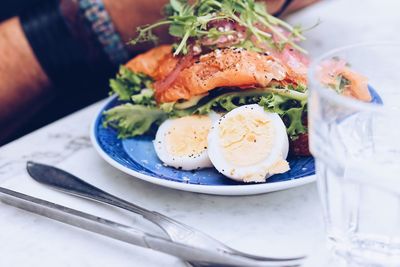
[[246, 138], [188, 135]]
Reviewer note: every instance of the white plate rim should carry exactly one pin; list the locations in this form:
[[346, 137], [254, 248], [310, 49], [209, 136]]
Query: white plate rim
[[226, 190]]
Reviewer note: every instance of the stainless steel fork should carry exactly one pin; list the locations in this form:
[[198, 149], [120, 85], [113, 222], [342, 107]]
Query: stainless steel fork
[[177, 231]]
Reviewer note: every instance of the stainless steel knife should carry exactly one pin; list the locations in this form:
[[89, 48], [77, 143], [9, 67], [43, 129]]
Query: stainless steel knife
[[124, 233]]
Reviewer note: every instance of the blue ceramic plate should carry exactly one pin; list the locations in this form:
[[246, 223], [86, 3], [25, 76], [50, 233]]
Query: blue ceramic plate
[[136, 156]]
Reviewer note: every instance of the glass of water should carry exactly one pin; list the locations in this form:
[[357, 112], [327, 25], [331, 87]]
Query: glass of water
[[356, 144]]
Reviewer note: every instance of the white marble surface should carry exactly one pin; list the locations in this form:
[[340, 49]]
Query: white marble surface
[[281, 223]]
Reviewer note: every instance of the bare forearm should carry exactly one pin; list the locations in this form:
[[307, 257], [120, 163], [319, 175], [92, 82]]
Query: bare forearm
[[24, 86]]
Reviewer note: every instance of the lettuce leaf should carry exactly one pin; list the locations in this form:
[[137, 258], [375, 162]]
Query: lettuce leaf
[[145, 98], [132, 120], [128, 83], [291, 111], [229, 101], [289, 104]]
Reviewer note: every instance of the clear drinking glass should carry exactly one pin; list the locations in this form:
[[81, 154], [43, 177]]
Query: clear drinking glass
[[356, 145]]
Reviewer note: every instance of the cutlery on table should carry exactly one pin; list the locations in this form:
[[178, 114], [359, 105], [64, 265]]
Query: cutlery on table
[[195, 256], [177, 231]]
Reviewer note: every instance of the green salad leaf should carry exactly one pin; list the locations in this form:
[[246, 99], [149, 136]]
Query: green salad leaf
[[291, 111], [145, 98], [128, 83], [290, 104], [228, 101], [132, 120], [341, 83]]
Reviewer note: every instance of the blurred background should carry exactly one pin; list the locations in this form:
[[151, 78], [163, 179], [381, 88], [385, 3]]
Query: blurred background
[[10, 8]]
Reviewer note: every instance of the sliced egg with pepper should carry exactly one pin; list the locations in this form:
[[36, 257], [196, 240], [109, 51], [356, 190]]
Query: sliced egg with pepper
[[182, 142], [249, 144]]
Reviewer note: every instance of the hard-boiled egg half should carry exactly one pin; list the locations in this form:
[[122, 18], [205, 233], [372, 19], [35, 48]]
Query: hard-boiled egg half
[[249, 144], [182, 143]]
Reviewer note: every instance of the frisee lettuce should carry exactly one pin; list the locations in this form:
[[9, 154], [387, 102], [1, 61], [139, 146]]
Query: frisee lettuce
[[139, 112], [290, 104], [145, 98], [132, 120], [292, 112], [128, 83], [341, 83]]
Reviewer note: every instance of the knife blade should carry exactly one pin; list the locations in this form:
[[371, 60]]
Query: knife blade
[[124, 233]]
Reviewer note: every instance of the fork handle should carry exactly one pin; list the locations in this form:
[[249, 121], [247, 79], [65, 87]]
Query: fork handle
[[68, 183]]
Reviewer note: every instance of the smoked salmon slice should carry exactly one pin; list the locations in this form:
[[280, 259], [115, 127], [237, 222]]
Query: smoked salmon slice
[[149, 62], [357, 87], [222, 68], [230, 67]]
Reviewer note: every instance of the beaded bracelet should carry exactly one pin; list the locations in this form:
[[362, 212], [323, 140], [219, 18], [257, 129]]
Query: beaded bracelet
[[98, 20]]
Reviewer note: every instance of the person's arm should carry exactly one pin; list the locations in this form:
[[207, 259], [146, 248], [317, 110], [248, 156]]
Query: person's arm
[[24, 87]]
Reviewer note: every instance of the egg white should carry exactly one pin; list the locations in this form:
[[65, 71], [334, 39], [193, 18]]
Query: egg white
[[271, 161], [188, 161]]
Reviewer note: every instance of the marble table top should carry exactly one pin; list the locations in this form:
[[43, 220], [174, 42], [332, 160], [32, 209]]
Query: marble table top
[[280, 223]]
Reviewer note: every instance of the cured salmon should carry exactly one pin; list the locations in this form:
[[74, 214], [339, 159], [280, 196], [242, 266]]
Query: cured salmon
[[226, 67], [229, 67], [149, 62], [357, 87]]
